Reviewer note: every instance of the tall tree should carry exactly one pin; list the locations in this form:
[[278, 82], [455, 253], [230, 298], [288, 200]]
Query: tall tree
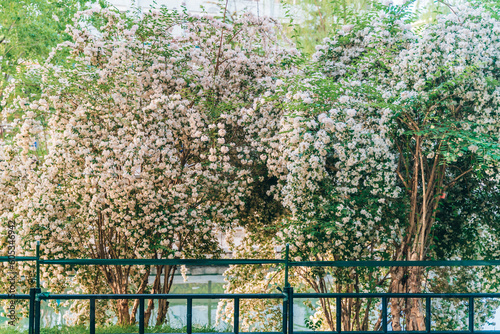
[[390, 139]]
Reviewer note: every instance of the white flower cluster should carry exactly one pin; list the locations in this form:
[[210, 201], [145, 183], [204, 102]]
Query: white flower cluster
[[146, 155], [368, 136]]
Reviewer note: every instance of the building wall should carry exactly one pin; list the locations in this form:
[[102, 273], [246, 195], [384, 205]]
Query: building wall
[[272, 8]]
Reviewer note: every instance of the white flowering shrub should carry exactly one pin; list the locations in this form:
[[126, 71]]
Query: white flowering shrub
[[387, 141], [146, 156]]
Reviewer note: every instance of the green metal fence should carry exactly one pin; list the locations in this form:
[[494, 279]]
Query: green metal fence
[[287, 295]]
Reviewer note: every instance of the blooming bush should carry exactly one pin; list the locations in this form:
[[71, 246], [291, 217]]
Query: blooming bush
[[146, 156], [382, 145]]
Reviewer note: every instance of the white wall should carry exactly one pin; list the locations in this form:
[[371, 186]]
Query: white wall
[[271, 8]]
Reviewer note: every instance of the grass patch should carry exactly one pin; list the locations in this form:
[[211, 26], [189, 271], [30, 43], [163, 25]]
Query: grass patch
[[111, 330]]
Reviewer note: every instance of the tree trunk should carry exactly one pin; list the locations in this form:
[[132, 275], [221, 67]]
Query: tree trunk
[[117, 278], [163, 303], [162, 311], [122, 305], [424, 183], [156, 288], [397, 286], [123, 312], [407, 281], [142, 288], [415, 314], [353, 317]]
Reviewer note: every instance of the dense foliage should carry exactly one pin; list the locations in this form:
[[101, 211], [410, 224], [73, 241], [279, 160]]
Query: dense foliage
[[161, 131], [143, 154], [387, 142]]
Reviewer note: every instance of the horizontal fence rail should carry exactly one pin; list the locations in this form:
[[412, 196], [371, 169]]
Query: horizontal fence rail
[[14, 296], [167, 296], [224, 262], [142, 297], [287, 295]]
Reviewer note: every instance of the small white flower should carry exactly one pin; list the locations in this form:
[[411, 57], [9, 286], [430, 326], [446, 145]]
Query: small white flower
[[473, 148], [344, 99], [347, 28], [350, 112]]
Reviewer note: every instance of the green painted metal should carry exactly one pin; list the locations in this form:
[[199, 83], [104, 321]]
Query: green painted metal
[[36, 296], [17, 258], [187, 262], [223, 262], [340, 264], [38, 308], [92, 316], [20, 296], [141, 316], [176, 296], [384, 314], [396, 295], [289, 292], [189, 315], [287, 264], [38, 264], [338, 315], [427, 314], [31, 320], [236, 316]]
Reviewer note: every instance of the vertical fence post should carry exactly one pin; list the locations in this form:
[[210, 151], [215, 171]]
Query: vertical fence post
[[287, 250], [471, 314], [288, 300], [290, 309], [37, 291], [92, 316], [38, 264], [209, 318], [37, 311], [338, 311], [428, 314], [189, 315], [141, 316], [31, 323], [236, 322], [285, 312], [384, 314]]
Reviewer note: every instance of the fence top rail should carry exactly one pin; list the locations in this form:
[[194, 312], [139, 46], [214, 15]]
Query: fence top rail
[[443, 263], [261, 295], [224, 262], [397, 295], [395, 332], [17, 258], [14, 296], [166, 296], [187, 262]]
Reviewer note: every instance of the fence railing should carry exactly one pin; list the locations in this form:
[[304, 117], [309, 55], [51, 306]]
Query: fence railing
[[287, 295]]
